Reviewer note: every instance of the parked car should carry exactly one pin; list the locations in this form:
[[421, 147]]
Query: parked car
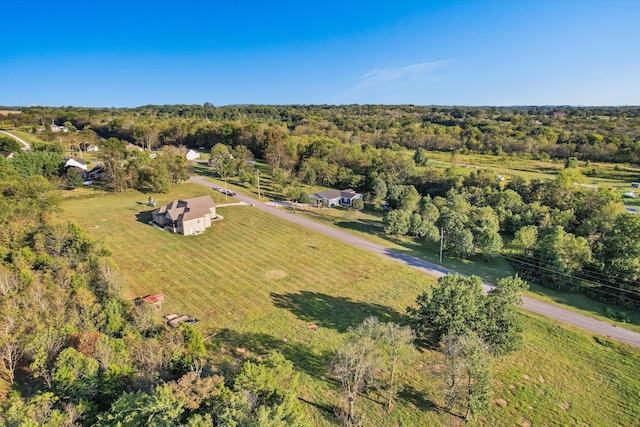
[[230, 193], [87, 182]]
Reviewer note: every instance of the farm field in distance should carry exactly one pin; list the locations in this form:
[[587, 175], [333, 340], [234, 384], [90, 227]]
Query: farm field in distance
[[260, 283]]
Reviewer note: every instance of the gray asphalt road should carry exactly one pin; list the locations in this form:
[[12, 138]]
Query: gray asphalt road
[[25, 144], [551, 311]]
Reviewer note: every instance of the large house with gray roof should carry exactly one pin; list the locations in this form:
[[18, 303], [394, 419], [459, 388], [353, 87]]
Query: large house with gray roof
[[188, 216]]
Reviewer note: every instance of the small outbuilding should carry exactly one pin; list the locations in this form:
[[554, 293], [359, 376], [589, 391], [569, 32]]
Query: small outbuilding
[[154, 300], [192, 155]]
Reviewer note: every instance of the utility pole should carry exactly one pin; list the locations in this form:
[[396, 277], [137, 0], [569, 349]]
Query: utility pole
[[258, 173], [226, 196], [441, 242]]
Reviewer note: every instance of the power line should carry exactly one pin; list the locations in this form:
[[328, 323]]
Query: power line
[[593, 274], [452, 238], [574, 277], [553, 273]]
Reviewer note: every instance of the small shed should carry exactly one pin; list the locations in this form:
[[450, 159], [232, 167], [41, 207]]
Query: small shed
[[177, 320], [192, 155], [154, 300]]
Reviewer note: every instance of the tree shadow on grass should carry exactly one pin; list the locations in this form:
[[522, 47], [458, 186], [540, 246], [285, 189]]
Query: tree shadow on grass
[[312, 363], [362, 224], [339, 313], [327, 411], [415, 397]]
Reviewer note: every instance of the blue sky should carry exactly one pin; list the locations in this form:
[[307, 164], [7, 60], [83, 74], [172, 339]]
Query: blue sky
[[127, 54]]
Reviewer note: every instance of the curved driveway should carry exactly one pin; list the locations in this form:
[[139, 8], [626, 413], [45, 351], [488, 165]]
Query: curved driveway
[[25, 144], [551, 311]]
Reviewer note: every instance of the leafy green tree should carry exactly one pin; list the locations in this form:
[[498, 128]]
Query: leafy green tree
[[397, 222], [222, 160], [420, 157], [563, 252], [489, 242], [454, 306], [9, 144], [243, 159], [503, 325], [154, 178], [569, 176], [428, 211], [193, 341], [460, 242], [263, 394], [357, 204], [74, 179], [158, 408], [619, 254], [114, 316], [39, 410], [379, 188], [571, 162], [76, 376], [30, 163], [403, 197], [199, 391], [525, 238], [176, 165]]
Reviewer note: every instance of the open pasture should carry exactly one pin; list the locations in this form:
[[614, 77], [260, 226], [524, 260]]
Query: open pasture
[[259, 283]]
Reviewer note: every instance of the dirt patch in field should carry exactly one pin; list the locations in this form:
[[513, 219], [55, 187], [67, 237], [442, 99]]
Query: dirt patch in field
[[566, 406], [275, 274], [524, 423], [500, 402]]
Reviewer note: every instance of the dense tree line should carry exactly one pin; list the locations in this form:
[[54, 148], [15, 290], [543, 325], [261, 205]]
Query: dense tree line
[[588, 133], [559, 234]]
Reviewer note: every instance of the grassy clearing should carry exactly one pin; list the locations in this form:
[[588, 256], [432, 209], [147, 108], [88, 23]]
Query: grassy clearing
[[260, 283]]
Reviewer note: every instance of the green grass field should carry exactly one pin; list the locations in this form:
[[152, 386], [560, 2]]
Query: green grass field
[[260, 283]]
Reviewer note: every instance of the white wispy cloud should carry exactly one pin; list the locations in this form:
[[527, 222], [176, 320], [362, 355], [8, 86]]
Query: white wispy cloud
[[385, 75], [374, 83]]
